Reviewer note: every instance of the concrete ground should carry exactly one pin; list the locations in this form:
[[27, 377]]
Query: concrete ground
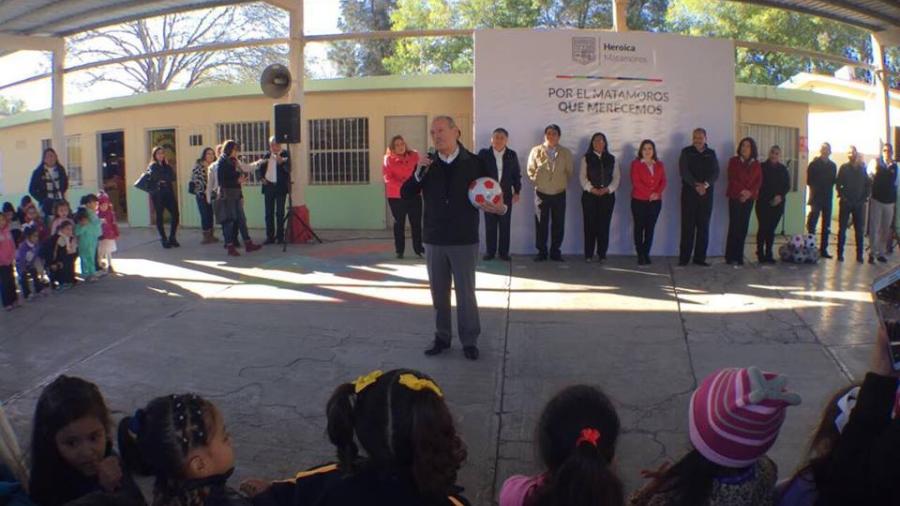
[[267, 336]]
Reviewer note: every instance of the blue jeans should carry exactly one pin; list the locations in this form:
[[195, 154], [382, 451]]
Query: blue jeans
[[206, 212]]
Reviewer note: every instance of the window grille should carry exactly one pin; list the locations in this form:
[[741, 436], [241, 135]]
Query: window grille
[[339, 151]]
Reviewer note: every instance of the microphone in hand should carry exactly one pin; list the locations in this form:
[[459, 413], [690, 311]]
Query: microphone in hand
[[424, 165]]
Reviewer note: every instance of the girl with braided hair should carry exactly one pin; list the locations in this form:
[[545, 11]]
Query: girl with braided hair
[[576, 439], [71, 446], [182, 441], [396, 444]]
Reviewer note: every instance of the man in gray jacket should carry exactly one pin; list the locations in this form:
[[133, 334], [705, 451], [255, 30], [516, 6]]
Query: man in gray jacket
[[853, 189]]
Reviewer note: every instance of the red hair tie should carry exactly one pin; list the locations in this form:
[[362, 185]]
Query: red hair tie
[[588, 435]]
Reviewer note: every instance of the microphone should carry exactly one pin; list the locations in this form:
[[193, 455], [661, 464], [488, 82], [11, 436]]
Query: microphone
[[422, 168]]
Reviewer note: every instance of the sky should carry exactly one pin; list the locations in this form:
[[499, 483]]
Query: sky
[[24, 64]]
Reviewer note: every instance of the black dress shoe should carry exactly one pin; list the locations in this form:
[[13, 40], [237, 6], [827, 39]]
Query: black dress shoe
[[701, 263], [487, 257], [647, 259], [641, 260], [682, 263], [824, 254], [471, 352], [540, 257], [165, 243], [505, 258], [840, 257], [173, 243], [437, 348], [556, 257]]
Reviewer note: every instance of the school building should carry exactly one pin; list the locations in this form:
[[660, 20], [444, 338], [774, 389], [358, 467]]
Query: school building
[[350, 121]]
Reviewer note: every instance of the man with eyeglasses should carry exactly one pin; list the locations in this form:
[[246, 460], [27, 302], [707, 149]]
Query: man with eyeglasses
[[883, 172]]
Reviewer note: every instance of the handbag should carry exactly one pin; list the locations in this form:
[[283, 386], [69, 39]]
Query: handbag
[[192, 188], [222, 210], [144, 183]]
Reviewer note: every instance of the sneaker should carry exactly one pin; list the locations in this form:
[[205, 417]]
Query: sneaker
[[471, 352], [437, 348]]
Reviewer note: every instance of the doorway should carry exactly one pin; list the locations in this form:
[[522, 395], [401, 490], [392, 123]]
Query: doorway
[[164, 137], [111, 156], [414, 130]]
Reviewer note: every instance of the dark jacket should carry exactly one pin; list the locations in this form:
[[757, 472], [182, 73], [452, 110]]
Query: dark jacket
[[698, 167], [328, 486], [884, 182], [600, 169], [853, 184], [215, 491], [228, 174], [864, 460], [282, 179], [775, 181], [38, 189], [70, 485], [162, 177], [450, 219], [11, 491], [512, 173], [820, 177]]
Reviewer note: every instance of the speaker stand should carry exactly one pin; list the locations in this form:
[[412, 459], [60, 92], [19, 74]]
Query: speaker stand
[[288, 223]]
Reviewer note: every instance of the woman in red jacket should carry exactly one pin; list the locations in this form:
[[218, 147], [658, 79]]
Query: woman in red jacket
[[399, 164], [648, 180], [744, 180]]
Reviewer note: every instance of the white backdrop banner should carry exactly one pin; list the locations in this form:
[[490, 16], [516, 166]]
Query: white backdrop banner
[[630, 86]]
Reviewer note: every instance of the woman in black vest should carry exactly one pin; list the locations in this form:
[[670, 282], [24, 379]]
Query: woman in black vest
[[162, 191], [599, 179]]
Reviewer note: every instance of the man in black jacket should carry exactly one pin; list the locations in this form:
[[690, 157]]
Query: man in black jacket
[[273, 171], [853, 188], [501, 164], [820, 177], [699, 169], [450, 233]]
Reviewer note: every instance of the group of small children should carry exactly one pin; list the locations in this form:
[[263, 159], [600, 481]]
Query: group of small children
[[42, 250], [396, 444]]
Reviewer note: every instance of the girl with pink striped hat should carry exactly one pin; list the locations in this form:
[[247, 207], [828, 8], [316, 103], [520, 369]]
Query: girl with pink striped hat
[[734, 418]]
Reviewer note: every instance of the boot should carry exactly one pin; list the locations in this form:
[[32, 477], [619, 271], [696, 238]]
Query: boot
[[250, 246], [165, 242], [207, 237], [232, 251], [840, 252]]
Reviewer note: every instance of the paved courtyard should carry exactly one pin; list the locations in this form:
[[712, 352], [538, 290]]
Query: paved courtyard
[[267, 336]]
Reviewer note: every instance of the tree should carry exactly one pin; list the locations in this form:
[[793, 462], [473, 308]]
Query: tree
[[363, 58], [175, 31], [430, 55], [10, 106], [775, 26]]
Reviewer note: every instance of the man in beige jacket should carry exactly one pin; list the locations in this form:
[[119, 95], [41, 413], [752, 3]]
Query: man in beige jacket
[[549, 169]]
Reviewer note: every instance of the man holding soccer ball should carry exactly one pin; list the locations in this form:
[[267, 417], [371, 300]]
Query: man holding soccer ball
[[451, 233]]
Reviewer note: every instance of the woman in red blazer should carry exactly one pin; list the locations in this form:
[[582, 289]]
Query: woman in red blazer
[[399, 164], [744, 180], [648, 180]]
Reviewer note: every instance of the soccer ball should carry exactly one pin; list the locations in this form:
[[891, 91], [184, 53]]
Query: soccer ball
[[812, 255], [785, 252], [799, 256], [809, 241], [483, 190], [798, 241]]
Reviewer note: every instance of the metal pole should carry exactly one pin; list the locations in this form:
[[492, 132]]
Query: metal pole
[[882, 86], [57, 113], [299, 164]]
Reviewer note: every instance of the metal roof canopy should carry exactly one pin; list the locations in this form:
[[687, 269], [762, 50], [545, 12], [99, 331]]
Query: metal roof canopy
[[871, 15]]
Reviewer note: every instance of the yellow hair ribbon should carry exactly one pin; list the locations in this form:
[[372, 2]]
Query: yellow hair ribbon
[[363, 382], [411, 382]]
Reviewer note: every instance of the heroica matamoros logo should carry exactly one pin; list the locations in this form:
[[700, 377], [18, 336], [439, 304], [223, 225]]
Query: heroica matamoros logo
[[584, 50]]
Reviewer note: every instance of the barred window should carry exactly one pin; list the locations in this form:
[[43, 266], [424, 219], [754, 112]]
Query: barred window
[[73, 153], [253, 137], [339, 151]]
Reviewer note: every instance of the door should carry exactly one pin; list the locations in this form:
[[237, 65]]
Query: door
[[787, 139], [111, 170], [414, 130], [166, 139]]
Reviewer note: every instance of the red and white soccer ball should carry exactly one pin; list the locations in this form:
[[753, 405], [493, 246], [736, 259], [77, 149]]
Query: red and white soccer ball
[[484, 190]]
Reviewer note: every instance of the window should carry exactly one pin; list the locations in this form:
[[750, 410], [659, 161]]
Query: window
[[73, 155], [253, 137], [196, 140], [787, 138], [339, 151]]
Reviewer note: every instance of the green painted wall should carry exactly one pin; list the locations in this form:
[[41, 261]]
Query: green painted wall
[[351, 206], [73, 195]]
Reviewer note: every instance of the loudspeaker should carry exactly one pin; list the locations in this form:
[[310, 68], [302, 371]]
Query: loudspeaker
[[275, 81], [287, 123]]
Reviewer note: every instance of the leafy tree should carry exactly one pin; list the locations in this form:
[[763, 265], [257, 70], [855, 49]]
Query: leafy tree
[[363, 58], [10, 106]]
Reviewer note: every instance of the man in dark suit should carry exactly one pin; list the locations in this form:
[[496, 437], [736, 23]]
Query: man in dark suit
[[501, 164], [273, 171]]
